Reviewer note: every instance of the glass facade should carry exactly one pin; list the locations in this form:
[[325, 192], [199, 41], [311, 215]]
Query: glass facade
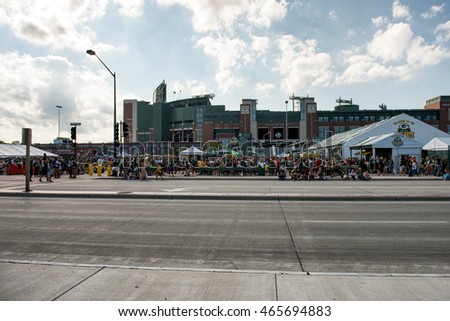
[[323, 131], [338, 129]]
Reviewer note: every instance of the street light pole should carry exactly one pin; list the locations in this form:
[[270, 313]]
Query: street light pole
[[92, 53], [286, 125], [59, 123]]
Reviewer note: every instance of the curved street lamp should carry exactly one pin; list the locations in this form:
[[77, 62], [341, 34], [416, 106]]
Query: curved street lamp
[[92, 53]]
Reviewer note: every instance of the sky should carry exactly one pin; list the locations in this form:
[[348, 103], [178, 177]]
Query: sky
[[395, 52]]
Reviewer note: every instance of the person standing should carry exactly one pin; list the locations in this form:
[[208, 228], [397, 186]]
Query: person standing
[[74, 168], [49, 170], [143, 175], [159, 172], [414, 168], [43, 167], [171, 169]]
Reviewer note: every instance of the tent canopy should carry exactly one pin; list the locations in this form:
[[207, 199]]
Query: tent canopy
[[387, 141], [233, 152], [7, 150], [228, 151], [192, 151], [438, 144]]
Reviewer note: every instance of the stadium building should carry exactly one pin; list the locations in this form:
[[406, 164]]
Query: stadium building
[[165, 126], [196, 120]]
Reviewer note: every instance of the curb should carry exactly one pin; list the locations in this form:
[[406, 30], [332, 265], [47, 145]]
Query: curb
[[275, 178], [230, 196]]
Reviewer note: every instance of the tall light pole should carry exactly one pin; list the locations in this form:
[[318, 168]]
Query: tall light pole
[[286, 126], [59, 123], [92, 53]]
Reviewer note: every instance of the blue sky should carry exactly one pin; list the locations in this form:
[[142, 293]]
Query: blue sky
[[384, 51]]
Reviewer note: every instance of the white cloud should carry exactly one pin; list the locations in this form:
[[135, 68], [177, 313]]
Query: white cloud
[[391, 45], [332, 15], [261, 13], [222, 20], [433, 11], [213, 15], [443, 32], [400, 11], [58, 24], [231, 54], [260, 45], [31, 89], [395, 52], [197, 87], [130, 8], [380, 21], [264, 90], [420, 54], [209, 15], [301, 65], [226, 80], [188, 88], [362, 68]]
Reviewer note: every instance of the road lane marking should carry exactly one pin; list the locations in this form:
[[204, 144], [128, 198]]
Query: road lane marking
[[374, 222], [182, 189], [221, 270]]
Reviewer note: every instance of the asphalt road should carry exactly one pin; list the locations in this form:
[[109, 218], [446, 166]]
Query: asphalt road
[[315, 237]]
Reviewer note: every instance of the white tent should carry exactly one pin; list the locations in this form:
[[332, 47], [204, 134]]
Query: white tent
[[398, 144], [438, 144], [7, 150], [192, 151], [402, 124]]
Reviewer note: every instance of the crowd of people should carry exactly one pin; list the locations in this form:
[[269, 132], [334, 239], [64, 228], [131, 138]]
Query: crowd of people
[[299, 168], [44, 168]]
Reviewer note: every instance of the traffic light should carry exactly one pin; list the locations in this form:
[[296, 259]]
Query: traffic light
[[74, 144], [125, 129], [73, 133], [116, 133]]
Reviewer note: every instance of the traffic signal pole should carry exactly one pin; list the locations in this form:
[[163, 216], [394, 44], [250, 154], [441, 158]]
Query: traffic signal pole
[[73, 136], [123, 134], [121, 142]]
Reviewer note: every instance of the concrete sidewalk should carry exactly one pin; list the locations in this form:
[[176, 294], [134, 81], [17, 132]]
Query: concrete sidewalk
[[46, 281]]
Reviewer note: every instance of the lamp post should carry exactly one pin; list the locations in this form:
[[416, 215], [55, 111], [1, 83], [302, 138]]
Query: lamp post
[[286, 126], [59, 123], [188, 135], [92, 53], [175, 134]]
